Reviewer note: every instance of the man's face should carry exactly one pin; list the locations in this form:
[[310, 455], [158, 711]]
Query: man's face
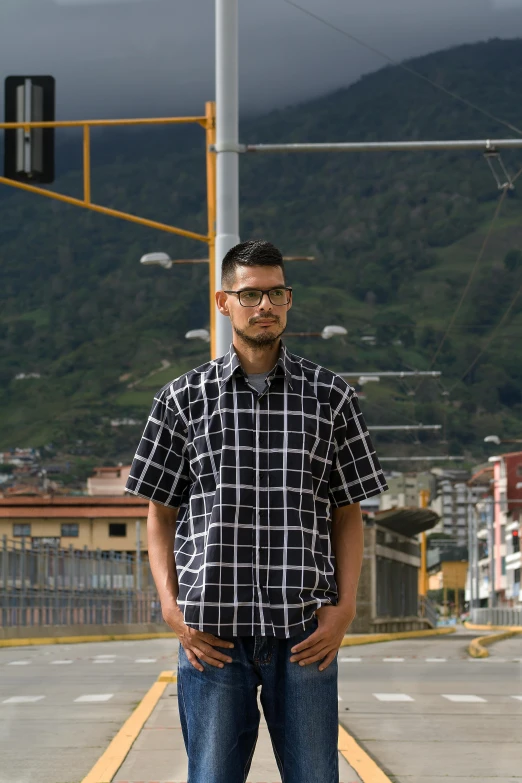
[[263, 324]]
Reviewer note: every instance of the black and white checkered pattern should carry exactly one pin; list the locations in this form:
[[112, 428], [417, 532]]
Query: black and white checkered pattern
[[255, 478]]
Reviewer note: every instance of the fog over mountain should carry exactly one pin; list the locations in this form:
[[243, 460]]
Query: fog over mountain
[[143, 57]]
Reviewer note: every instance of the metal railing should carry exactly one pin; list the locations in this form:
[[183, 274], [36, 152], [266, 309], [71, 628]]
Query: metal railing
[[497, 616], [42, 584], [427, 609]]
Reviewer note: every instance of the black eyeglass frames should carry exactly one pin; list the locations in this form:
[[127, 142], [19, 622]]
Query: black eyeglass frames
[[252, 297]]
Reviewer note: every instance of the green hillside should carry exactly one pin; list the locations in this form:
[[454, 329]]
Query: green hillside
[[395, 237]]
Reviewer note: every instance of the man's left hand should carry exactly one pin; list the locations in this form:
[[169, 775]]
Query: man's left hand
[[323, 644]]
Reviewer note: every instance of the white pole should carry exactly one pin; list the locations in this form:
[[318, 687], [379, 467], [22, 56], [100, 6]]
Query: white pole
[[227, 139]]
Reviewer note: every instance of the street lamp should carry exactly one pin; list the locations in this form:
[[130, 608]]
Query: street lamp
[[165, 261], [497, 441], [327, 333], [198, 334]]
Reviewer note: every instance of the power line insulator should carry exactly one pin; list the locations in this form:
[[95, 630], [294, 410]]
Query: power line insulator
[[496, 165]]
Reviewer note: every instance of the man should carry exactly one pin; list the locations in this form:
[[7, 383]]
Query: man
[[255, 464]]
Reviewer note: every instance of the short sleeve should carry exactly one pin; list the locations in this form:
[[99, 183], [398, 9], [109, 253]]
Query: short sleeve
[[159, 470], [356, 473]]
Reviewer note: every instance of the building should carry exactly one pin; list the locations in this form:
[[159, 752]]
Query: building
[[405, 488], [388, 597], [109, 524], [507, 515], [447, 574], [108, 481]]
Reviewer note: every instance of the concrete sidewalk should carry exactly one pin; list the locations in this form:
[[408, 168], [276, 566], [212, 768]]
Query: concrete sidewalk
[[158, 754]]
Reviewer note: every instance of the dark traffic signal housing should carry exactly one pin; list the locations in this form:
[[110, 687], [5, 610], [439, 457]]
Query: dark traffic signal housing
[[29, 153]]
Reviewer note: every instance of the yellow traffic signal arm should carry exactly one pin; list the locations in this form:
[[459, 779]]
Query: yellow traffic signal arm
[[207, 122]]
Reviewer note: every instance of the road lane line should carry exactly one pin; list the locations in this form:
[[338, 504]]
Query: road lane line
[[463, 698], [22, 699], [95, 697], [438, 660], [59, 663], [111, 760], [18, 663], [393, 660], [517, 697], [105, 660], [393, 697], [146, 660], [350, 660]]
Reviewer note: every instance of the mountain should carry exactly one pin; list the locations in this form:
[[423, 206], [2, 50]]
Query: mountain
[[395, 237]]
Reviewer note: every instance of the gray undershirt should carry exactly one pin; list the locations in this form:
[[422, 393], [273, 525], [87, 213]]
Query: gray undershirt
[[258, 381]]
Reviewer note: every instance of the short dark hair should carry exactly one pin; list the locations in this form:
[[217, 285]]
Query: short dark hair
[[252, 253]]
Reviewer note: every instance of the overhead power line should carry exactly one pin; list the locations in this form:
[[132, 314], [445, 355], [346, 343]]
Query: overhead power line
[[402, 65]]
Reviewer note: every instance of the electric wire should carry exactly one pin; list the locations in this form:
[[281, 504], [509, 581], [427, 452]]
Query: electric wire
[[402, 65]]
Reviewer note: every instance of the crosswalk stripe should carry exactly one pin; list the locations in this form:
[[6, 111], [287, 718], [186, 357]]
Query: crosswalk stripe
[[95, 697], [463, 697], [22, 699], [393, 697]]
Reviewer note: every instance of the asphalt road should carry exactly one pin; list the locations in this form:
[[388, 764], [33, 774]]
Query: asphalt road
[[430, 715], [61, 705]]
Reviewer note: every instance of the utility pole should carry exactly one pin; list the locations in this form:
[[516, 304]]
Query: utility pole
[[471, 552], [227, 149]]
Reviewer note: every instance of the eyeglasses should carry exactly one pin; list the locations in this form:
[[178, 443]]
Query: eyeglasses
[[252, 297]]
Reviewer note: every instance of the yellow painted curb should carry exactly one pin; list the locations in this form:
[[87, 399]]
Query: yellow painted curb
[[472, 627], [111, 760], [131, 637], [373, 638], [477, 647], [362, 763]]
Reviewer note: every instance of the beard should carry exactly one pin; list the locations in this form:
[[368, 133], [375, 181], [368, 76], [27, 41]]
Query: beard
[[262, 340]]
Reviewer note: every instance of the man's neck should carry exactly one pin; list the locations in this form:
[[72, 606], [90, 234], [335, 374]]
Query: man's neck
[[255, 361]]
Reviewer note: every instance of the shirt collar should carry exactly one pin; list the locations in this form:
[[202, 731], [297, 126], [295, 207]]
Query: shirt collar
[[232, 365]]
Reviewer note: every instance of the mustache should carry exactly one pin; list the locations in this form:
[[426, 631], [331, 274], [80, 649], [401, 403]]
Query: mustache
[[255, 320]]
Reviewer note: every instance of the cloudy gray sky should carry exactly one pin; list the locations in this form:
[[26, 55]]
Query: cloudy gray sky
[[126, 57]]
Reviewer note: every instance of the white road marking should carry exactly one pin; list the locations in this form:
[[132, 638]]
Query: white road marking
[[99, 657], [104, 660], [22, 699], [517, 697], [58, 663], [436, 660], [350, 660], [393, 697], [95, 697], [497, 660], [18, 663], [463, 697], [393, 660], [339, 698], [146, 660]]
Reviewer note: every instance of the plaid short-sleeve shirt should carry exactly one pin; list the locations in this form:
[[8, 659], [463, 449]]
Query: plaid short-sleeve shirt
[[255, 477]]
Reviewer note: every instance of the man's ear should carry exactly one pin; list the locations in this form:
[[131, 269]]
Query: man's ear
[[221, 302]]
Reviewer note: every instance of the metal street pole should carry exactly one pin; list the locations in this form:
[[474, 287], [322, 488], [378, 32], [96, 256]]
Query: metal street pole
[[470, 511], [227, 139]]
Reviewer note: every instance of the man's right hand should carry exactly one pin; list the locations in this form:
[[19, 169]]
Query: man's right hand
[[198, 646]]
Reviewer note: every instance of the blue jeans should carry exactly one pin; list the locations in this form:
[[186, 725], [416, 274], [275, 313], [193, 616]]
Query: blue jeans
[[220, 717]]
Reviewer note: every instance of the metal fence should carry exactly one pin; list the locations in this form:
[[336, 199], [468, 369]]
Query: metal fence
[[45, 585], [497, 616]]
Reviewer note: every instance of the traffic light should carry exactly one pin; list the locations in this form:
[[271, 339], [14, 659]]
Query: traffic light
[[29, 155]]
